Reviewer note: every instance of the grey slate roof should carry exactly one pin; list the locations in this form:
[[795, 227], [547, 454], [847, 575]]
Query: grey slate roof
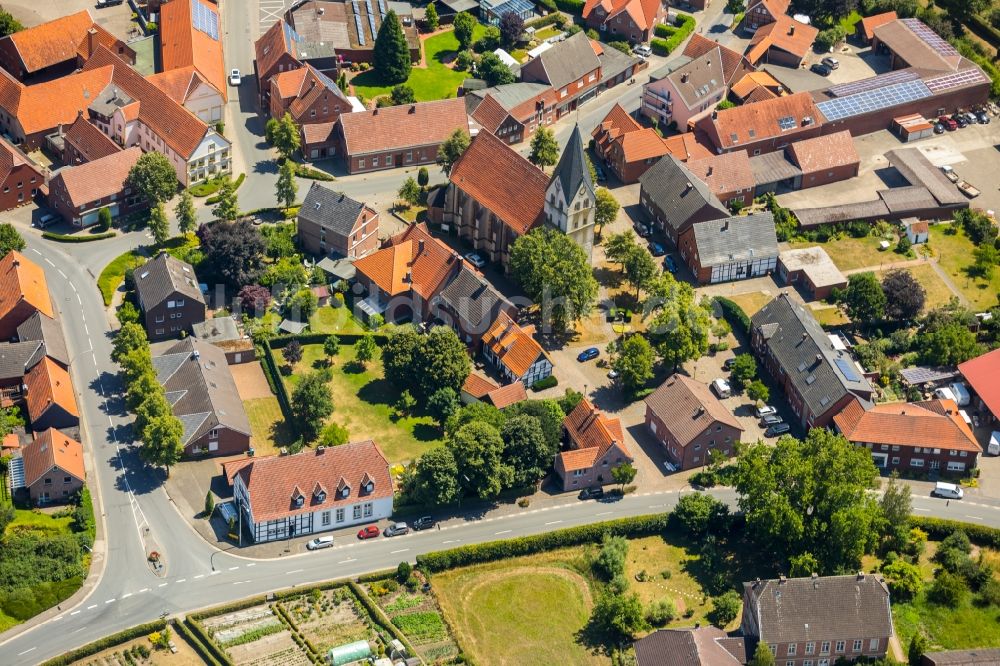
[[678, 192], [472, 297], [331, 210], [201, 389], [161, 277], [509, 95], [690, 647], [698, 79], [16, 358], [565, 62], [744, 237], [817, 609], [42, 328], [973, 657], [572, 169], [799, 344], [614, 62], [918, 170], [771, 168]]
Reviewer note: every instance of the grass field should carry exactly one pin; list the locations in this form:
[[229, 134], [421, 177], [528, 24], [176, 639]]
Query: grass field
[[436, 81], [851, 253], [335, 320], [954, 254], [363, 403], [751, 302], [938, 292], [267, 425], [829, 315]]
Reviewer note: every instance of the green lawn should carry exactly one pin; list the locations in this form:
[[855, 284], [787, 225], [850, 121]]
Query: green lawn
[[436, 81], [829, 315], [114, 273], [363, 403], [751, 302], [547, 32], [954, 254], [851, 253], [269, 431], [335, 320], [938, 292]]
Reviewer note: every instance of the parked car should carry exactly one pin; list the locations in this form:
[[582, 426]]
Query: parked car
[[397, 529], [643, 50], [938, 128], [592, 493], [777, 429], [831, 62], [612, 374], [424, 523], [46, 219], [476, 259], [588, 354], [670, 264], [641, 229], [960, 119], [948, 123], [369, 532], [770, 420], [766, 410], [320, 542], [983, 118], [234, 77], [721, 388], [947, 491], [950, 173], [657, 249], [600, 173], [821, 69], [730, 362]]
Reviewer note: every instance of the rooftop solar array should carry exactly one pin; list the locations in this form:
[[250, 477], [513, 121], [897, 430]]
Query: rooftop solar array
[[925, 375], [205, 20], [847, 369], [956, 80], [786, 123], [854, 87], [357, 23], [371, 19], [873, 100], [381, 8], [929, 37]]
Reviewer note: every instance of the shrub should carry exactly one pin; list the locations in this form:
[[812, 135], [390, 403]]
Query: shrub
[[403, 571], [570, 6], [733, 314], [102, 644], [724, 609], [947, 589], [546, 383], [76, 238], [661, 613], [304, 171]]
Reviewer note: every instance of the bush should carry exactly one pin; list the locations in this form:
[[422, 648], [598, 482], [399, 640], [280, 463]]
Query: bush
[[725, 608], [733, 314], [939, 529], [669, 37], [827, 39], [304, 171], [661, 613], [659, 46], [947, 589], [76, 238], [546, 383], [574, 7], [217, 199], [403, 572]]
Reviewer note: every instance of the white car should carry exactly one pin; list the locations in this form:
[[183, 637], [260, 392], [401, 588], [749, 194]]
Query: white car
[[947, 491], [766, 410], [643, 50], [612, 374], [475, 259], [320, 542], [235, 78]]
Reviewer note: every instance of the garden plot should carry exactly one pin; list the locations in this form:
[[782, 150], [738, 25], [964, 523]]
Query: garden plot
[[417, 615], [140, 652], [329, 618], [255, 637]]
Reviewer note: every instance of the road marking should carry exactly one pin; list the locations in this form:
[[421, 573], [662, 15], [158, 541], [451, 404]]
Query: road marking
[[92, 607], [110, 601], [294, 571], [49, 262], [252, 564], [656, 506], [215, 573], [553, 522], [74, 612], [27, 651], [78, 299], [126, 595], [62, 274], [973, 517], [75, 631], [396, 552], [917, 508], [145, 589], [504, 532], [199, 576], [451, 541], [233, 568], [346, 561], [72, 286], [604, 513], [57, 618], [85, 329], [181, 580], [163, 584]]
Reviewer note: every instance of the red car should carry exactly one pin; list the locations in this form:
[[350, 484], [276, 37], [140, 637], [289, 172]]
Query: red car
[[948, 123], [369, 532]]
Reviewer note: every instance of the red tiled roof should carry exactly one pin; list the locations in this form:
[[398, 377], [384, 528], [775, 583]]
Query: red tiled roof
[[934, 423], [513, 345], [502, 180], [754, 122], [686, 147], [52, 449], [313, 87], [91, 142], [593, 432], [404, 126], [289, 82], [9, 158], [981, 373], [414, 259], [313, 133], [725, 173], [869, 23], [10, 92], [273, 481], [490, 114], [615, 124], [183, 45], [52, 42], [100, 178], [505, 396], [759, 94], [49, 384], [44, 106], [23, 280], [177, 83], [271, 46], [786, 34], [642, 145], [733, 62], [826, 152], [477, 386], [754, 81], [643, 12]]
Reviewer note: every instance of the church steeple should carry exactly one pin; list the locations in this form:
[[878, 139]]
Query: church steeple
[[573, 170]]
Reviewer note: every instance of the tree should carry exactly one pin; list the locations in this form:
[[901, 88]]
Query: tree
[[634, 363], [331, 347], [743, 371], [639, 269], [405, 403], [402, 94], [311, 404], [758, 391], [661, 613], [443, 404], [135, 364], [399, 356], [286, 187], [283, 134], [227, 208], [904, 296], [802, 565], [605, 209], [986, 256], [896, 508], [476, 412], [915, 651], [423, 177], [209, 504], [619, 614], [549, 415], [10, 239], [128, 313], [864, 298], [977, 225], [333, 434], [903, 578], [8, 26], [234, 252], [130, 337], [544, 148], [623, 474], [465, 26], [162, 442], [948, 589], [442, 361], [762, 656], [555, 272], [292, 352], [525, 449], [153, 177], [951, 344], [810, 495], [431, 17], [187, 219], [301, 305], [452, 148], [366, 350], [611, 559], [493, 70], [410, 191], [158, 224], [698, 514], [725, 608], [680, 328], [511, 29], [254, 299], [619, 247], [433, 478], [478, 450]]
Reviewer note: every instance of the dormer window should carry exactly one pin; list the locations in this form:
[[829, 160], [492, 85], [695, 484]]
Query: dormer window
[[319, 493], [368, 483], [321, 497], [298, 499], [343, 488]]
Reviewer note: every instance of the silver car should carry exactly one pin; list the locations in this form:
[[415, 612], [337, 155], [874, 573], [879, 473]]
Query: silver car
[[396, 529]]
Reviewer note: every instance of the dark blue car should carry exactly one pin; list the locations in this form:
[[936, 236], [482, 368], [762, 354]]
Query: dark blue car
[[657, 249], [588, 354], [670, 264]]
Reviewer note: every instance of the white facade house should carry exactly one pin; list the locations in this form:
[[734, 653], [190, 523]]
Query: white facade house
[[205, 102]]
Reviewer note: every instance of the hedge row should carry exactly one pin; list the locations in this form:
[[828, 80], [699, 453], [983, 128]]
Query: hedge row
[[734, 314], [379, 616], [271, 368], [218, 654], [551, 19], [573, 536], [309, 173], [376, 575], [74, 238], [571, 6], [203, 651], [939, 528], [282, 341], [671, 37], [107, 642]]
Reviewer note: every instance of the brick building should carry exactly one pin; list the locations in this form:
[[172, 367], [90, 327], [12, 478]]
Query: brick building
[[728, 176], [20, 179], [169, 297], [734, 248], [595, 444], [514, 352], [78, 193], [23, 292], [53, 468], [629, 20], [83, 142], [674, 199], [332, 223]]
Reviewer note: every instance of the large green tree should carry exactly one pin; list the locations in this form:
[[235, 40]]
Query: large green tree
[[549, 415], [283, 134], [163, 443], [619, 614], [286, 187], [525, 449], [10, 239], [680, 327], [950, 344], [227, 208], [605, 208], [130, 337], [864, 298], [452, 148], [544, 148], [159, 225], [478, 449], [442, 362], [187, 219], [493, 70], [234, 252], [640, 269], [431, 17], [153, 177], [8, 24], [634, 363], [465, 25], [555, 272], [810, 495], [619, 247], [391, 56], [433, 478], [311, 404]]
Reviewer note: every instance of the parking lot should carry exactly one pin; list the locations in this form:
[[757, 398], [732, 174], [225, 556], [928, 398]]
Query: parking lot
[[116, 20]]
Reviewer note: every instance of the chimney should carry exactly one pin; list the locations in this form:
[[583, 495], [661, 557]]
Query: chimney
[[320, 10], [413, 109], [684, 77], [782, 580], [791, 30], [715, 115], [91, 46], [688, 186], [861, 575], [320, 449], [815, 575], [725, 225], [709, 170], [819, 358], [781, 89]]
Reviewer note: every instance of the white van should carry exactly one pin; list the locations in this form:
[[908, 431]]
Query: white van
[[947, 490], [944, 394], [961, 394], [721, 388], [320, 542]]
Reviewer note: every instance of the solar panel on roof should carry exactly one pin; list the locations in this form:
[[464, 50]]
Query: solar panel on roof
[[956, 80], [873, 100], [854, 87], [205, 20], [357, 23], [786, 123], [929, 37], [371, 19], [847, 369]]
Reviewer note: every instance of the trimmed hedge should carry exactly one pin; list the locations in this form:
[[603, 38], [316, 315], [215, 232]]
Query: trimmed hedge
[[734, 314], [659, 46], [551, 19], [203, 651], [672, 37], [278, 386], [571, 6], [982, 27], [546, 383], [107, 642], [216, 199], [73, 238], [573, 536], [376, 575], [218, 654], [939, 528], [309, 173]]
